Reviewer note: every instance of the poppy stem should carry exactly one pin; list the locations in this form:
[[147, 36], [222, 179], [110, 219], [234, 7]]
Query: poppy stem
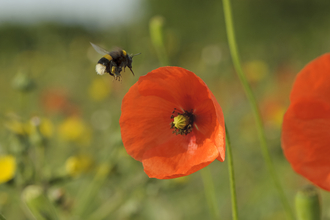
[[88, 191], [308, 205], [231, 177], [210, 192], [2, 217], [253, 104]]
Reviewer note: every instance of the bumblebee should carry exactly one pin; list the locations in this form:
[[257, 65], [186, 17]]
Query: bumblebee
[[113, 62]]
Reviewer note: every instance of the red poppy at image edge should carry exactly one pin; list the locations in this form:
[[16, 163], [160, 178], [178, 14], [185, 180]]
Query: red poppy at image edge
[[306, 124], [146, 121]]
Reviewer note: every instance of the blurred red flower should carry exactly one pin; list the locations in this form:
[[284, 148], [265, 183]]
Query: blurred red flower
[[56, 100], [306, 124], [172, 123]]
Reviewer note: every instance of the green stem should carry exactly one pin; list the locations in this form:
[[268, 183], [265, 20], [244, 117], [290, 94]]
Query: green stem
[[157, 37], [39, 163], [210, 193], [231, 177], [2, 217], [307, 203], [109, 206], [253, 103], [89, 191], [37, 204]]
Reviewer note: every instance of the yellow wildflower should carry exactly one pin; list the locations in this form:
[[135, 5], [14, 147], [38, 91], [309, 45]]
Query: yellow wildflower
[[77, 165], [99, 89], [7, 167], [16, 127], [256, 70], [74, 129], [44, 125]]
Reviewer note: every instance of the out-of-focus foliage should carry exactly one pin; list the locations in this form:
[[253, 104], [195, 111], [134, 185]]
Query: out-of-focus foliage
[[64, 133]]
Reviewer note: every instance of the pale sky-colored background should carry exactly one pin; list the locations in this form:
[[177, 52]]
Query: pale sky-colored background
[[90, 13]]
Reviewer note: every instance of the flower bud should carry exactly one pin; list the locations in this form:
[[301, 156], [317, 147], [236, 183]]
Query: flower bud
[[308, 204], [36, 200], [23, 83]]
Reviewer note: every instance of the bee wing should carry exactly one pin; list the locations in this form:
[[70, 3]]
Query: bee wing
[[115, 53], [99, 49]]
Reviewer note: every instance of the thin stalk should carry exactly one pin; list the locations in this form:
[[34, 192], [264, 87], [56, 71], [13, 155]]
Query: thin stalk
[[210, 193], [2, 217], [253, 104], [157, 37], [39, 163], [307, 203], [231, 177], [108, 207], [88, 193]]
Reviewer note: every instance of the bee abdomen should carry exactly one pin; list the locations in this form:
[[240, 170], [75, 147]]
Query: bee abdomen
[[104, 60]]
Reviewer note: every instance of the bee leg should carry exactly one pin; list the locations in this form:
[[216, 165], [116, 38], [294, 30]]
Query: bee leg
[[131, 71]]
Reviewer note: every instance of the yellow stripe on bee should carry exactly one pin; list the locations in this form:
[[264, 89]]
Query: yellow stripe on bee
[[113, 69], [124, 52], [108, 57]]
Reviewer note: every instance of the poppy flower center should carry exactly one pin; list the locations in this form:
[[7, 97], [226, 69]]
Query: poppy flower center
[[182, 122]]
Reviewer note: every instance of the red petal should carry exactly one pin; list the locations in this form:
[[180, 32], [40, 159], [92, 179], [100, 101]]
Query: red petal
[[180, 156], [176, 85], [313, 80], [306, 142], [219, 135], [305, 133], [145, 123]]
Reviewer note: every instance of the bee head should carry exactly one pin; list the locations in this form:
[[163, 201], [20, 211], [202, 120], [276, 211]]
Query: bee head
[[130, 60]]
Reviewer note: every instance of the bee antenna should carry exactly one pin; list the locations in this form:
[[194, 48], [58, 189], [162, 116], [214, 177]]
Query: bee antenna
[[135, 54]]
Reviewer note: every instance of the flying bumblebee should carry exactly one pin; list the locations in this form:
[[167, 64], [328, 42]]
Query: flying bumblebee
[[113, 62]]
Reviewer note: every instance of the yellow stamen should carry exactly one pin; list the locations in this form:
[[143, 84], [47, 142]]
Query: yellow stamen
[[180, 121]]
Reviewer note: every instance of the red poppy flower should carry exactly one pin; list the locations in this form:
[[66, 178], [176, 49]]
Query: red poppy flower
[[56, 101], [306, 124], [172, 123]]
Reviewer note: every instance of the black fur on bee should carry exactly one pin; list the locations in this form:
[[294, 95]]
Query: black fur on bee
[[113, 62]]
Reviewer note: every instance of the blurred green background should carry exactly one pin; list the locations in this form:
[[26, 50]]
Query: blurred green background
[[60, 120]]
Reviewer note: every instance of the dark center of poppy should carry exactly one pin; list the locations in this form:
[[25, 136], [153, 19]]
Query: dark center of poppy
[[182, 122]]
